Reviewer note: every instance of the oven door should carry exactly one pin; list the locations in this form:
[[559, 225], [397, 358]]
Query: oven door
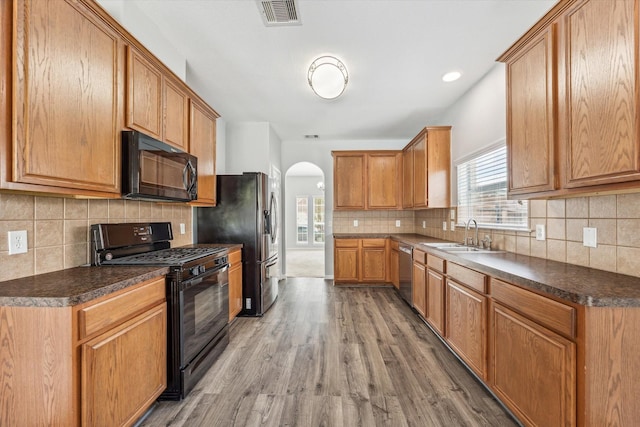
[[204, 311]]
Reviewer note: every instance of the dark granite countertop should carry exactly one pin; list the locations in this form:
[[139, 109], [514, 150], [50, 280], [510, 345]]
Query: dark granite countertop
[[77, 285], [581, 285]]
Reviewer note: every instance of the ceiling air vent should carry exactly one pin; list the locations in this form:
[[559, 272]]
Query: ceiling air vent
[[279, 12]]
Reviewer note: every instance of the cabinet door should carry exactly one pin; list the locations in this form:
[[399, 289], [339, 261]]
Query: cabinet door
[[438, 170], [466, 326], [202, 144], [383, 178], [69, 66], [435, 300], [531, 83], [374, 260], [407, 177], [395, 268], [176, 114], [602, 95], [144, 95], [235, 284], [533, 370], [137, 348], [346, 264], [348, 181], [420, 172], [419, 297]]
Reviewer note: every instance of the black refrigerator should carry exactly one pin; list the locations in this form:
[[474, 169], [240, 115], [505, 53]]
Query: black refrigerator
[[246, 212]]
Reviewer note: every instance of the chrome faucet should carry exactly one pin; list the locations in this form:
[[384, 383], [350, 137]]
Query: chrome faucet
[[474, 241]]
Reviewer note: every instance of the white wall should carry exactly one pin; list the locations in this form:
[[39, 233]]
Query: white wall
[[130, 17], [478, 119], [248, 147]]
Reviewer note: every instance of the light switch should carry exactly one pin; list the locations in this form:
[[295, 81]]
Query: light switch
[[424, 224], [397, 223], [590, 237], [444, 225], [541, 233], [452, 214], [183, 229], [453, 225], [355, 222]]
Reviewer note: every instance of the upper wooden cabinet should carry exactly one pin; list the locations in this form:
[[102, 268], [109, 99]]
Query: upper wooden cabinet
[[202, 143], [349, 180], [67, 102], [591, 141], [427, 176], [366, 179], [157, 105]]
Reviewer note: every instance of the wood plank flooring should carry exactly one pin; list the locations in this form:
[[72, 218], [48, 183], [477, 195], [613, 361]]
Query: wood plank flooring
[[334, 356]]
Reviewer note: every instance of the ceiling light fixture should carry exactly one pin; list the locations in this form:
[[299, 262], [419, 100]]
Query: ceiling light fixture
[[451, 76], [328, 77]]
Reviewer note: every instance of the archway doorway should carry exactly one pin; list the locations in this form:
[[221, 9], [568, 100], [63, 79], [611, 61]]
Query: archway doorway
[[304, 220]]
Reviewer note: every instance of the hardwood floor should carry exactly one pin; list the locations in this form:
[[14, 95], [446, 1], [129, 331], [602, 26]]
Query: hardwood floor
[[334, 356]]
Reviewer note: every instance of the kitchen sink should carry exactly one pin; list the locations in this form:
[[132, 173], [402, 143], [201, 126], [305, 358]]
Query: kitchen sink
[[460, 248]]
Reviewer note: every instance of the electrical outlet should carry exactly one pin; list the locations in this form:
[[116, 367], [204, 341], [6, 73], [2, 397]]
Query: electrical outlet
[[183, 230], [17, 242], [541, 233], [397, 223], [590, 237], [453, 226], [355, 222], [452, 214], [424, 224], [444, 225]]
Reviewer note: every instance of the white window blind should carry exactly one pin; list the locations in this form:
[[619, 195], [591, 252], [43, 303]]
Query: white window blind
[[482, 192]]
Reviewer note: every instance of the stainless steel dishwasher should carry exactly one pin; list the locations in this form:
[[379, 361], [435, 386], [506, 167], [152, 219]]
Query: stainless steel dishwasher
[[405, 271]]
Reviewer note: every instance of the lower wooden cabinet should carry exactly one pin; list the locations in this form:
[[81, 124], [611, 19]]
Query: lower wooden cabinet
[[466, 325], [435, 300], [418, 282], [101, 363], [533, 370], [235, 283], [374, 260], [360, 261], [394, 265], [124, 370]]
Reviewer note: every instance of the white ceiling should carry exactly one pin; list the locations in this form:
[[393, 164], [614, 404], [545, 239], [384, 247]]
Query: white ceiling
[[396, 52]]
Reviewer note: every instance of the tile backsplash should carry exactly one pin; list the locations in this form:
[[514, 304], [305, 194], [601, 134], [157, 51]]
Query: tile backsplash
[[616, 218], [58, 228]]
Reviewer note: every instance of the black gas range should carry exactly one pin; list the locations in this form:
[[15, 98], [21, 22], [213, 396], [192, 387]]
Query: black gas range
[[197, 294]]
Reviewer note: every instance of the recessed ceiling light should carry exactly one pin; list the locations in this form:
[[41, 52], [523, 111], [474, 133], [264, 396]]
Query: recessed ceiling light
[[451, 76]]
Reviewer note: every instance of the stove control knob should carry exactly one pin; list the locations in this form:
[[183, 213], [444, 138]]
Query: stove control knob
[[202, 269], [194, 270]]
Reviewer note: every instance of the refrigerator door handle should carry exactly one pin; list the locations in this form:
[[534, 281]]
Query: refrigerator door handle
[[273, 218]]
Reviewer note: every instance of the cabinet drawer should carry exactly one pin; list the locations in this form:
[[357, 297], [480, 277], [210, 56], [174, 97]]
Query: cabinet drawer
[[235, 257], [547, 312], [111, 311], [346, 243], [435, 263], [419, 256], [374, 243], [468, 277]]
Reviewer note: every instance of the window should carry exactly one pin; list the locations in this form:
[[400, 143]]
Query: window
[[318, 219], [316, 233], [302, 215], [482, 192]]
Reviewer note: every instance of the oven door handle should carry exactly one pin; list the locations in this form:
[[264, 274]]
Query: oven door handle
[[197, 280]]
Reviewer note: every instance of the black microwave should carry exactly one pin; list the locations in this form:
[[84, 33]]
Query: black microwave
[[154, 170]]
